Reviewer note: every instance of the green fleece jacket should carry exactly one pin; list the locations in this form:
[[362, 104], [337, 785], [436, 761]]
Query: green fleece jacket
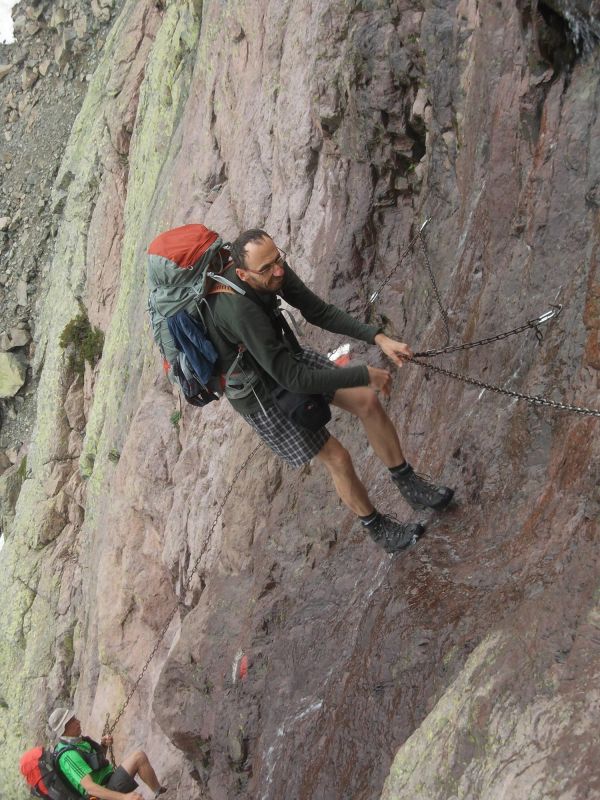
[[236, 319]]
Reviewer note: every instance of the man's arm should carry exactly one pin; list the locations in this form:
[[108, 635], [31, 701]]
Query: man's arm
[[327, 316], [102, 793], [324, 315], [251, 325]]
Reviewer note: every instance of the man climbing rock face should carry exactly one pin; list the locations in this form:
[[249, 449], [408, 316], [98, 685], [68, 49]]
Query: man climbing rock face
[[269, 360], [85, 766]]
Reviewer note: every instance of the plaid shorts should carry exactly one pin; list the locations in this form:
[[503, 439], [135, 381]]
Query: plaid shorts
[[295, 445]]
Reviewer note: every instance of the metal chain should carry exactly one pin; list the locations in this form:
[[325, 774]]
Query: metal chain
[[108, 729], [107, 732], [533, 399], [434, 284], [403, 255], [532, 324]]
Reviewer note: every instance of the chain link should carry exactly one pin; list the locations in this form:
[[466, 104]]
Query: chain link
[[108, 729]]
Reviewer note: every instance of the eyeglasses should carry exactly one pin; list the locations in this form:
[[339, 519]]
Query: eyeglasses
[[268, 268]]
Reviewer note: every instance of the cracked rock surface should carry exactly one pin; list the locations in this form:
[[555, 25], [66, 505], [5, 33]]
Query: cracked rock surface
[[300, 661]]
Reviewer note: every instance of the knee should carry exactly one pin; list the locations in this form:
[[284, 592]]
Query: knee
[[335, 456], [139, 758], [369, 404]]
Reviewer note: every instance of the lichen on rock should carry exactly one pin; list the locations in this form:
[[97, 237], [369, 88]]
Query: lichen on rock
[[461, 668]]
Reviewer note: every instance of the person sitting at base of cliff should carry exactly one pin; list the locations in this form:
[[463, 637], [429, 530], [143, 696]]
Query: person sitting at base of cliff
[[84, 764], [272, 359]]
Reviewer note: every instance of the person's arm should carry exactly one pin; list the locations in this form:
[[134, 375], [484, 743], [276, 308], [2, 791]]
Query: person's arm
[[102, 793], [398, 352], [247, 323], [324, 315], [333, 319]]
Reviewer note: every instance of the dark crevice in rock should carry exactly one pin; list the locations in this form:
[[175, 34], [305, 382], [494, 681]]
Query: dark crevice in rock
[[582, 21], [554, 39], [565, 31]]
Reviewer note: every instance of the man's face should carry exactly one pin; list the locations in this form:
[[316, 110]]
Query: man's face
[[263, 266], [72, 728]]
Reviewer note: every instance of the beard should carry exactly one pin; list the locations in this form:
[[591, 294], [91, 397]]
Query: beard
[[272, 286]]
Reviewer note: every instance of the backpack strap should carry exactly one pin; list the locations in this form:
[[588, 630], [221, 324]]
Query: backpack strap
[[97, 756], [224, 282], [220, 289], [278, 321]]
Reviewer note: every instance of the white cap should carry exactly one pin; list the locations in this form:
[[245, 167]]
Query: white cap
[[59, 718]]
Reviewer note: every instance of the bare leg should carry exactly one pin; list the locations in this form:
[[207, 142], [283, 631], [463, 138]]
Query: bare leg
[[348, 486], [137, 764], [380, 430]]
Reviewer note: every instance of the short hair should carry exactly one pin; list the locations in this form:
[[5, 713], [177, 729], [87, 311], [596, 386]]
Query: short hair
[[238, 247]]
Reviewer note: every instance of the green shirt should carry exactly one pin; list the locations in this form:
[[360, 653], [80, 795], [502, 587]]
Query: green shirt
[[74, 767], [236, 319]]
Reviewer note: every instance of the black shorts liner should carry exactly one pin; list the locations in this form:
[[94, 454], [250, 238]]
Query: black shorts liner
[[293, 444], [121, 781]]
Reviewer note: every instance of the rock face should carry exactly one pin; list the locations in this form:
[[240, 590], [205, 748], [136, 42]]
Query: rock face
[[298, 660], [39, 100]]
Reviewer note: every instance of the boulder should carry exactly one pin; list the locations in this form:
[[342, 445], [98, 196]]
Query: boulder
[[22, 292], [19, 337], [80, 25], [58, 17], [29, 78], [100, 10], [34, 12], [4, 70], [5, 461], [32, 27], [12, 374], [44, 66], [10, 488], [417, 114], [61, 54]]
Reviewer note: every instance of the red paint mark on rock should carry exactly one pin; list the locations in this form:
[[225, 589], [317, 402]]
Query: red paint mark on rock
[[243, 667]]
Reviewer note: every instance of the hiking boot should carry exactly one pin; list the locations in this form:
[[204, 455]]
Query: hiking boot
[[420, 493], [393, 535]]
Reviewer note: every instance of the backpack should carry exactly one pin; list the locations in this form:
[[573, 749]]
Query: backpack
[[184, 266], [40, 770]]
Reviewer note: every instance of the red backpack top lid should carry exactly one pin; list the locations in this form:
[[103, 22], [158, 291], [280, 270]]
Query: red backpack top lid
[[29, 764], [183, 245]]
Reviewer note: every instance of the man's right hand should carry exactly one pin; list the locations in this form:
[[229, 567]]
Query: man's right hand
[[133, 796], [380, 380]]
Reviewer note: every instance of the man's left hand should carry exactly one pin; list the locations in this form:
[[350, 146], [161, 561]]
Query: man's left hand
[[106, 741], [397, 351]]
